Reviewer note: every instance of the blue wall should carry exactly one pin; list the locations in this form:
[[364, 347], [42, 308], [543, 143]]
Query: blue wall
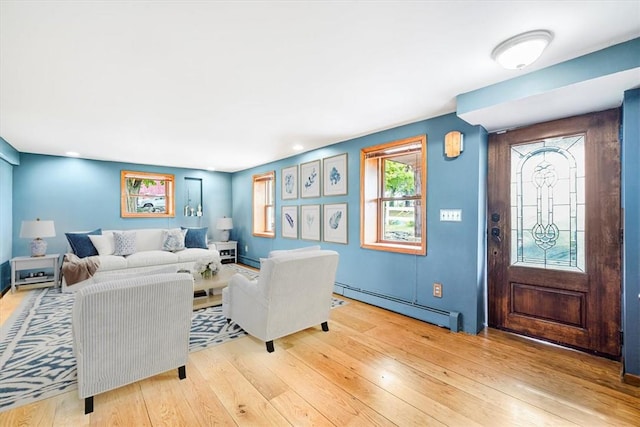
[[80, 194], [631, 205], [8, 158], [455, 251]]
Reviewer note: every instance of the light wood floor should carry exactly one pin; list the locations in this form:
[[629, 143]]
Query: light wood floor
[[373, 367]]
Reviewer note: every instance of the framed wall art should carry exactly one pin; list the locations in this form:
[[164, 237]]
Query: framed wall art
[[290, 183], [335, 175], [310, 222], [290, 222], [335, 223], [310, 179]]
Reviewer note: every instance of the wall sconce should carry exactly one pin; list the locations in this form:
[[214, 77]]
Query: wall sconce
[[36, 230], [521, 50], [453, 144], [225, 224]]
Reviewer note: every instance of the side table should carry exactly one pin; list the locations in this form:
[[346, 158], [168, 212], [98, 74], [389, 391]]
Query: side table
[[228, 251], [49, 266]]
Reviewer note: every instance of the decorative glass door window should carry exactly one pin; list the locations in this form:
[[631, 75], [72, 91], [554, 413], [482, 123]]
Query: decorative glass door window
[[548, 204]]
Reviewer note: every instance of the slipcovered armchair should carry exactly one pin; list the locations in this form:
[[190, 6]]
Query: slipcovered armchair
[[130, 329], [292, 293]]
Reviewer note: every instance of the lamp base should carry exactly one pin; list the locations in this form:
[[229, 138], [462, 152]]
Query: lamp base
[[38, 247], [224, 235]]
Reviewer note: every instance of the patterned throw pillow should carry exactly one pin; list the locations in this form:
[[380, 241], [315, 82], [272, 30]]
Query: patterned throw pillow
[[124, 242], [196, 237], [80, 243], [173, 240]]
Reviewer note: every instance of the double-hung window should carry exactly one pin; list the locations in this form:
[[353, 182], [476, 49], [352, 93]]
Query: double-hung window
[[263, 205], [393, 196]]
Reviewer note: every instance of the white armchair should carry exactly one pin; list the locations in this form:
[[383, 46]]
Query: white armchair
[[292, 293], [130, 329]]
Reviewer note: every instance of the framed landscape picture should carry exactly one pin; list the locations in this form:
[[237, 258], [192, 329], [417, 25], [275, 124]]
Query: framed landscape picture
[[290, 222], [335, 175], [310, 179], [290, 183], [335, 223], [310, 222]]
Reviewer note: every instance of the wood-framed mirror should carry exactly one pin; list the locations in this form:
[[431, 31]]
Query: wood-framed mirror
[[146, 195]]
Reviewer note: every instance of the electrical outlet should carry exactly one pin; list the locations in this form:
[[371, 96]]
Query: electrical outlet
[[437, 290], [246, 248]]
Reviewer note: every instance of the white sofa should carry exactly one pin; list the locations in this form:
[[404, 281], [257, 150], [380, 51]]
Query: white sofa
[[292, 293], [130, 329], [149, 257]]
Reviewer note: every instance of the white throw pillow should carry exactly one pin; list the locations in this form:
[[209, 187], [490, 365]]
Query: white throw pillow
[[173, 240], [103, 243], [124, 242]]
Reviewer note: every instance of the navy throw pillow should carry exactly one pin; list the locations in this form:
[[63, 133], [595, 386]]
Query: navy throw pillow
[[81, 244], [196, 237]]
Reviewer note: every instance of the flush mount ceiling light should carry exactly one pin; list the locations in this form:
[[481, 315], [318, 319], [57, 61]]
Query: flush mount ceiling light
[[521, 50]]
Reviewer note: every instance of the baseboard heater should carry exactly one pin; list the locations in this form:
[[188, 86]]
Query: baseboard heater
[[446, 319]]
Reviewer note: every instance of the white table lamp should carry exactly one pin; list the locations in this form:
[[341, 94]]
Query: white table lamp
[[36, 230], [225, 224]]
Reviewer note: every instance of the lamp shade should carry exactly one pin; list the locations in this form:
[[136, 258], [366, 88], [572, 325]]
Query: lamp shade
[[224, 223], [37, 229]]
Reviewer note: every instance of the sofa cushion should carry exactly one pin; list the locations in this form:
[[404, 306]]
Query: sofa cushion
[[112, 262], [147, 258], [173, 240], [81, 244], [103, 243], [196, 237], [193, 254], [124, 242], [130, 275]]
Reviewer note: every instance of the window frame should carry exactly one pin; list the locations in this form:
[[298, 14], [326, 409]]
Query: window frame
[[263, 186], [372, 197], [128, 200]]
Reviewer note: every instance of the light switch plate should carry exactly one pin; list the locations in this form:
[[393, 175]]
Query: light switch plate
[[451, 215]]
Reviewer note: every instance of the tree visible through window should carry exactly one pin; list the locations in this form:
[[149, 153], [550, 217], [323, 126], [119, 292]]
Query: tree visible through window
[[393, 191]]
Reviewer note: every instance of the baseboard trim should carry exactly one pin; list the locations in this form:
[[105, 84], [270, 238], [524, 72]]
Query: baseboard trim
[[446, 319], [631, 379]]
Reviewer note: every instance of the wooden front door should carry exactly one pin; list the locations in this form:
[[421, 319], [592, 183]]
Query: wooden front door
[[554, 249]]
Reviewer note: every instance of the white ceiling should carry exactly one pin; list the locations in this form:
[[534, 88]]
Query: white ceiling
[[231, 85]]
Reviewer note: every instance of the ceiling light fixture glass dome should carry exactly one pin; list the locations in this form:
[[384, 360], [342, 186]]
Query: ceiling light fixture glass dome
[[521, 50]]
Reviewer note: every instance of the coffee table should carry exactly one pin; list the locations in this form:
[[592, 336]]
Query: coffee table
[[215, 283]]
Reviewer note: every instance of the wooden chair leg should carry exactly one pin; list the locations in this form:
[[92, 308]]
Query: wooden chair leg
[[88, 405], [182, 372], [270, 346], [325, 326]]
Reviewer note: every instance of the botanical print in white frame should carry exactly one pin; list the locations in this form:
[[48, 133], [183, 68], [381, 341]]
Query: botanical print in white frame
[[310, 174], [290, 183], [290, 222], [335, 223], [335, 175], [310, 222]]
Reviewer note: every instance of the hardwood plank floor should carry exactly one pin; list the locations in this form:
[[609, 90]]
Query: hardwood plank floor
[[373, 367]]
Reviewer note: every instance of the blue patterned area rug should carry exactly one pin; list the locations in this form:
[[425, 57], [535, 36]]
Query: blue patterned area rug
[[36, 354]]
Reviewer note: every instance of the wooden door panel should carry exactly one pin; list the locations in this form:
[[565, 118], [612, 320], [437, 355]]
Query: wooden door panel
[[540, 303], [579, 304]]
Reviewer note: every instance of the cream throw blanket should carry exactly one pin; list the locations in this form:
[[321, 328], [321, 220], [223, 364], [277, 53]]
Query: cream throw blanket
[[75, 269]]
